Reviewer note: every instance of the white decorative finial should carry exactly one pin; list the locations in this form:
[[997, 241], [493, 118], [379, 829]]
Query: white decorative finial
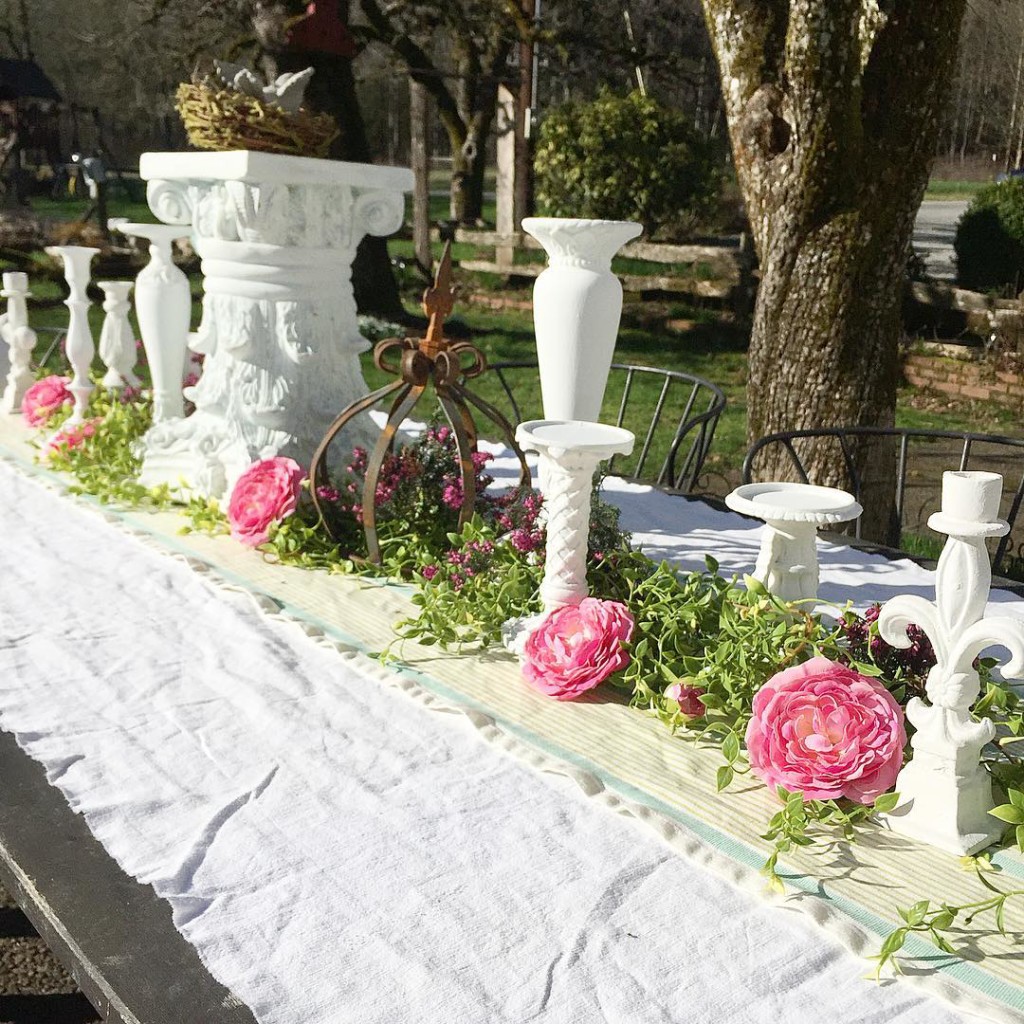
[[20, 339], [79, 345], [945, 791], [117, 340]]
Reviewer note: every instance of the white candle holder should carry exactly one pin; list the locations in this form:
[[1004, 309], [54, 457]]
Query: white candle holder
[[572, 450], [163, 305], [80, 346], [117, 339], [787, 563], [945, 792], [20, 340]]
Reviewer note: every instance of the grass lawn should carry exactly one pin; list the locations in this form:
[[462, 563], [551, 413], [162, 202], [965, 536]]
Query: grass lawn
[[673, 335], [947, 189]]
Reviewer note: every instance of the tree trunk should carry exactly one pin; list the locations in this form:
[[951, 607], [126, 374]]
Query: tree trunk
[[833, 118], [332, 90]]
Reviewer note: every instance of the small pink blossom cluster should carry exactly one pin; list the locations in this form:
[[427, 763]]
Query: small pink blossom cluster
[[516, 515], [688, 699], [70, 437], [462, 565]]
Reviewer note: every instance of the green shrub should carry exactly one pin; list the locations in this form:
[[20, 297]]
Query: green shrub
[[990, 239], [624, 158]]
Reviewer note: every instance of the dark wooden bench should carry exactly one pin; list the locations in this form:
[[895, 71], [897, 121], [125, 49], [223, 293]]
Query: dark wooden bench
[[113, 934]]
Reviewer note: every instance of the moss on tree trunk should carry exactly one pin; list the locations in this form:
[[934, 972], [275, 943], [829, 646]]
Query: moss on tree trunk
[[833, 110]]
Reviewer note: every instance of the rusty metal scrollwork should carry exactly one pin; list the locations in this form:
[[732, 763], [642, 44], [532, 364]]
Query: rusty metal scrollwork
[[416, 363]]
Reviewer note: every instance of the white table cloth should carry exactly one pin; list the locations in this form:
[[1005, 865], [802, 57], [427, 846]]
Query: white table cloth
[[337, 852]]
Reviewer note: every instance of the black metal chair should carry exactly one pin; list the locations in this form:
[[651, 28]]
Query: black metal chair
[[921, 456], [677, 436]]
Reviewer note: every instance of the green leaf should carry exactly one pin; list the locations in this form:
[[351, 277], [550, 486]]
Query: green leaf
[[1016, 797], [731, 747], [915, 915], [1019, 836], [1009, 813], [943, 919], [886, 802], [724, 777], [893, 943]]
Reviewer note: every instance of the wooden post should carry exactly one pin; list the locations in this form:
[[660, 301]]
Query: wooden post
[[419, 157], [524, 123], [505, 212]]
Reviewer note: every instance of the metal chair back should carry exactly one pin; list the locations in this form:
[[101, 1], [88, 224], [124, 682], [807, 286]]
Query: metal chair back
[[919, 470], [672, 444]]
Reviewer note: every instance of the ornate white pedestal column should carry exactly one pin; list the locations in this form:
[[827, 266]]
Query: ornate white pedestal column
[[117, 339], [277, 236], [80, 346], [945, 793], [20, 340], [787, 562]]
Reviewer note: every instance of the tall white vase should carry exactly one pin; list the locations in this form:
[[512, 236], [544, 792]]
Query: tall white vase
[[577, 304], [163, 305], [79, 345]]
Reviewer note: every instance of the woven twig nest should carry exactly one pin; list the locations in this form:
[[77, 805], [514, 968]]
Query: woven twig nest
[[223, 119]]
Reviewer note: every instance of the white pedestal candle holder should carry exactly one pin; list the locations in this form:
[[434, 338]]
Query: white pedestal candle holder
[[572, 450], [945, 792], [787, 563], [577, 305], [117, 339], [79, 345], [277, 235], [163, 305], [20, 340]]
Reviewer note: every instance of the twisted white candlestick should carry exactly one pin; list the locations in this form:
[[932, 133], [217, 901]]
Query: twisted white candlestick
[[572, 451]]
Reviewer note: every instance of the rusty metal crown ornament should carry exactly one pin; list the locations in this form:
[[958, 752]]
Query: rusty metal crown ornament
[[416, 362]]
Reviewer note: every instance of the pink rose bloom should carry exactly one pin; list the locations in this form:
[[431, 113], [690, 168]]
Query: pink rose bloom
[[267, 492], [44, 398], [688, 699], [826, 731], [577, 647]]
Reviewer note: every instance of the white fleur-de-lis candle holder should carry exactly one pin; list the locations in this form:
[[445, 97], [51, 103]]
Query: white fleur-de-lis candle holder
[[20, 339], [945, 792], [80, 346]]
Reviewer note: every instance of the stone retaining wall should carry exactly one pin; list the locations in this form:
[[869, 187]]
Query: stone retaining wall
[[967, 378]]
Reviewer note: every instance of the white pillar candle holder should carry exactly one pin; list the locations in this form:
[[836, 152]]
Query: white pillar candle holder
[[163, 305], [572, 450], [787, 563], [945, 792], [79, 346], [577, 305], [20, 340], [117, 339]]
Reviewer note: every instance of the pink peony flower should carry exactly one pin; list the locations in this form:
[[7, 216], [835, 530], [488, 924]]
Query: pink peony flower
[[688, 699], [70, 436], [577, 647], [44, 398], [267, 492], [824, 730]]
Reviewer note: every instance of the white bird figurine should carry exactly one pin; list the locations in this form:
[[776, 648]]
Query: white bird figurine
[[286, 92]]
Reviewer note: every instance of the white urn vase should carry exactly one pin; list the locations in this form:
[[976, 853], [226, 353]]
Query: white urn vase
[[577, 303], [163, 305]]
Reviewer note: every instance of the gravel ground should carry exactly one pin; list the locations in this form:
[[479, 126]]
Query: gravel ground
[[34, 988]]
